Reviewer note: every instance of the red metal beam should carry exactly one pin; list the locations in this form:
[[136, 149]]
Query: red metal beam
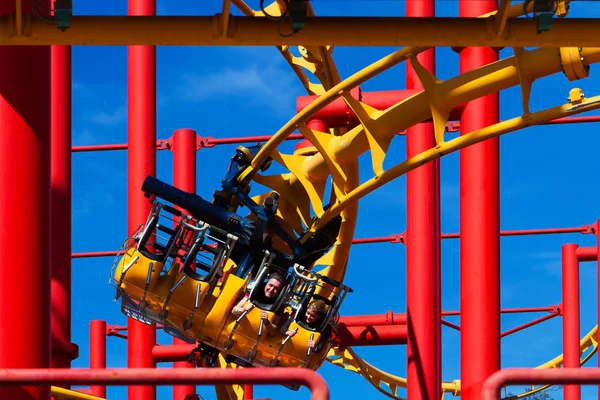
[[525, 376], [151, 376], [586, 253], [571, 318], [98, 353], [172, 353], [480, 226], [60, 203], [375, 99], [141, 78], [573, 120], [388, 318], [423, 302], [201, 142], [25, 211], [383, 335], [184, 177]]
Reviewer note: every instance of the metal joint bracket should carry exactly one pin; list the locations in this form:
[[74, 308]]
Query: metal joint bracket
[[572, 63], [558, 309], [207, 142], [164, 144], [399, 238], [453, 126], [587, 229]]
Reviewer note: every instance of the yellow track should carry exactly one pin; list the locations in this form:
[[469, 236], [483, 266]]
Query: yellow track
[[336, 157]]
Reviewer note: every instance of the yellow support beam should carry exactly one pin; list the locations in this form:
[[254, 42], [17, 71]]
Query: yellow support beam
[[333, 31]]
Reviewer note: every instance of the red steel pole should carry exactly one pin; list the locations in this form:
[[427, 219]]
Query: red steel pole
[[424, 324], [98, 353], [184, 178], [141, 163], [60, 203], [248, 392], [480, 227], [570, 293], [24, 209]]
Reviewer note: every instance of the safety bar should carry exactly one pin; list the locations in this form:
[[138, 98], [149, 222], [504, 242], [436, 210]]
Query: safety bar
[[165, 377], [528, 376]]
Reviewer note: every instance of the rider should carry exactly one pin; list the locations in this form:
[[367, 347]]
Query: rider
[[269, 295], [315, 312]]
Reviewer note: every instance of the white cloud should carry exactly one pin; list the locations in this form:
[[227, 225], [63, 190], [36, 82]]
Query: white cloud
[[84, 137], [110, 118], [270, 84]]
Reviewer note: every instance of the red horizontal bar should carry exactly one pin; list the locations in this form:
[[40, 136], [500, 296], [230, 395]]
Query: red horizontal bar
[[383, 335], [586, 253], [388, 318], [99, 147], [523, 232], [172, 353], [399, 238], [396, 238], [90, 254], [529, 376], [155, 377], [573, 120], [210, 141]]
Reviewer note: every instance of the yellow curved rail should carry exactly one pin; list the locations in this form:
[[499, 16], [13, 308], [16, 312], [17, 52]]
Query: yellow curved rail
[[337, 157], [334, 152]]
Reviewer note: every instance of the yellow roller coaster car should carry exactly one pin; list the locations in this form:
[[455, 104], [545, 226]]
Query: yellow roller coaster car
[[177, 271]]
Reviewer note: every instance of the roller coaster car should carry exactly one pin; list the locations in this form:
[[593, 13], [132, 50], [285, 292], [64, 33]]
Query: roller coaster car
[[164, 274], [245, 341]]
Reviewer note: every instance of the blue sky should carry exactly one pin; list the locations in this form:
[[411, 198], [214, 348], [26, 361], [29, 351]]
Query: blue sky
[[546, 181]]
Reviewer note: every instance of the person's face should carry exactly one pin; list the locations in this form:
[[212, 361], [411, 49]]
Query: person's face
[[311, 316], [272, 288]]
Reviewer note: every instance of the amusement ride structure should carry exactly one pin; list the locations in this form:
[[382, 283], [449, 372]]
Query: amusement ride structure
[[251, 282]]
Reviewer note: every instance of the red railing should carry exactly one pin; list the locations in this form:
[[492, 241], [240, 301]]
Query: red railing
[[151, 376], [525, 376]]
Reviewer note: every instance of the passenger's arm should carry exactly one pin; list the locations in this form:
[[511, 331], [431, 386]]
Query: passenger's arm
[[273, 327], [240, 308]]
